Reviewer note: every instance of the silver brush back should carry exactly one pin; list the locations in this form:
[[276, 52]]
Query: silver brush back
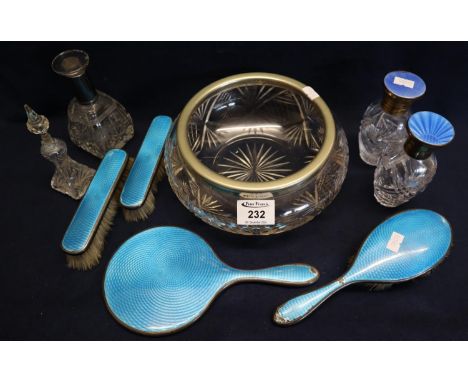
[[87, 217]]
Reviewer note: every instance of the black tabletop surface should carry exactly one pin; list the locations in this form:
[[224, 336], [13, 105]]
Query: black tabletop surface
[[42, 299]]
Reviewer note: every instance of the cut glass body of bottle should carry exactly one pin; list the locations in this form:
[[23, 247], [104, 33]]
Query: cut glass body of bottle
[[383, 123], [70, 177], [400, 176], [96, 121]]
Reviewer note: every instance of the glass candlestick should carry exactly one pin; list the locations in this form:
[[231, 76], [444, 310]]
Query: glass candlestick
[[399, 177], [383, 123], [96, 121], [70, 177]]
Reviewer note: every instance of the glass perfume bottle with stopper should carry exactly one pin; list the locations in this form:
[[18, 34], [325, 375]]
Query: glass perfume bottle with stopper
[[399, 177], [70, 177], [96, 121], [383, 124]]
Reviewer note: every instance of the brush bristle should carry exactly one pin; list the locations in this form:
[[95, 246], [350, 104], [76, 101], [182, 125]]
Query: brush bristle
[[127, 169], [141, 213], [91, 257], [147, 208], [373, 287], [161, 171], [378, 287]]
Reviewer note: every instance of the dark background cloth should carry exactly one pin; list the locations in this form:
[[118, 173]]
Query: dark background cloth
[[42, 299]]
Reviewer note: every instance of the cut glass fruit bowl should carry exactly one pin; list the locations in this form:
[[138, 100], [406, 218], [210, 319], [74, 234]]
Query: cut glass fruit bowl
[[256, 154]]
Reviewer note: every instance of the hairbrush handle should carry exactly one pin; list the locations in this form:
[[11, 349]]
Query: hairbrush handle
[[300, 307], [293, 274]]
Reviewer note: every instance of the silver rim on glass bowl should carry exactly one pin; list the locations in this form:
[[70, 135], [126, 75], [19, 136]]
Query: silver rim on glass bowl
[[256, 154], [191, 160]]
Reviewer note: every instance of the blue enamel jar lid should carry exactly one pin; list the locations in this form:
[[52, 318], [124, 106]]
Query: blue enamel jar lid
[[405, 84], [431, 128]]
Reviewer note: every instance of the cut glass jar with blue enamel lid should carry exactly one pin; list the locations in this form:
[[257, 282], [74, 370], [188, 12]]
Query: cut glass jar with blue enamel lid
[[256, 154], [383, 123], [399, 177]]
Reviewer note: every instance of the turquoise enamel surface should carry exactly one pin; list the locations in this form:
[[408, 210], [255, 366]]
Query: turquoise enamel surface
[[431, 128], [88, 215], [401, 248], [163, 279], [146, 163]]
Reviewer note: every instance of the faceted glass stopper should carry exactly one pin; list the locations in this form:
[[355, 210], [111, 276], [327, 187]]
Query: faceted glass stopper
[[71, 63], [70, 177], [36, 124]]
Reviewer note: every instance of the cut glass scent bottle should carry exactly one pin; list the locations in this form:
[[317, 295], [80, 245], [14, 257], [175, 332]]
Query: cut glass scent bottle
[[70, 177], [96, 121], [383, 124], [399, 177]]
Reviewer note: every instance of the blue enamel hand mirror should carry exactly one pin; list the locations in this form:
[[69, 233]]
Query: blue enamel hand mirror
[[403, 247], [163, 279]]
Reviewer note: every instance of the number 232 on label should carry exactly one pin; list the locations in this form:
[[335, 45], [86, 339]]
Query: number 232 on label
[[255, 212]]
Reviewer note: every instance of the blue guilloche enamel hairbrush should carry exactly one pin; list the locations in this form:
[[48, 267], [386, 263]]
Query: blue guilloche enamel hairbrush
[[406, 246]]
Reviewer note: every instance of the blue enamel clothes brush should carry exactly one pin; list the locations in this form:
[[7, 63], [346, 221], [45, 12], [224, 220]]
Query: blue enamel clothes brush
[[406, 246], [137, 198], [84, 238]]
